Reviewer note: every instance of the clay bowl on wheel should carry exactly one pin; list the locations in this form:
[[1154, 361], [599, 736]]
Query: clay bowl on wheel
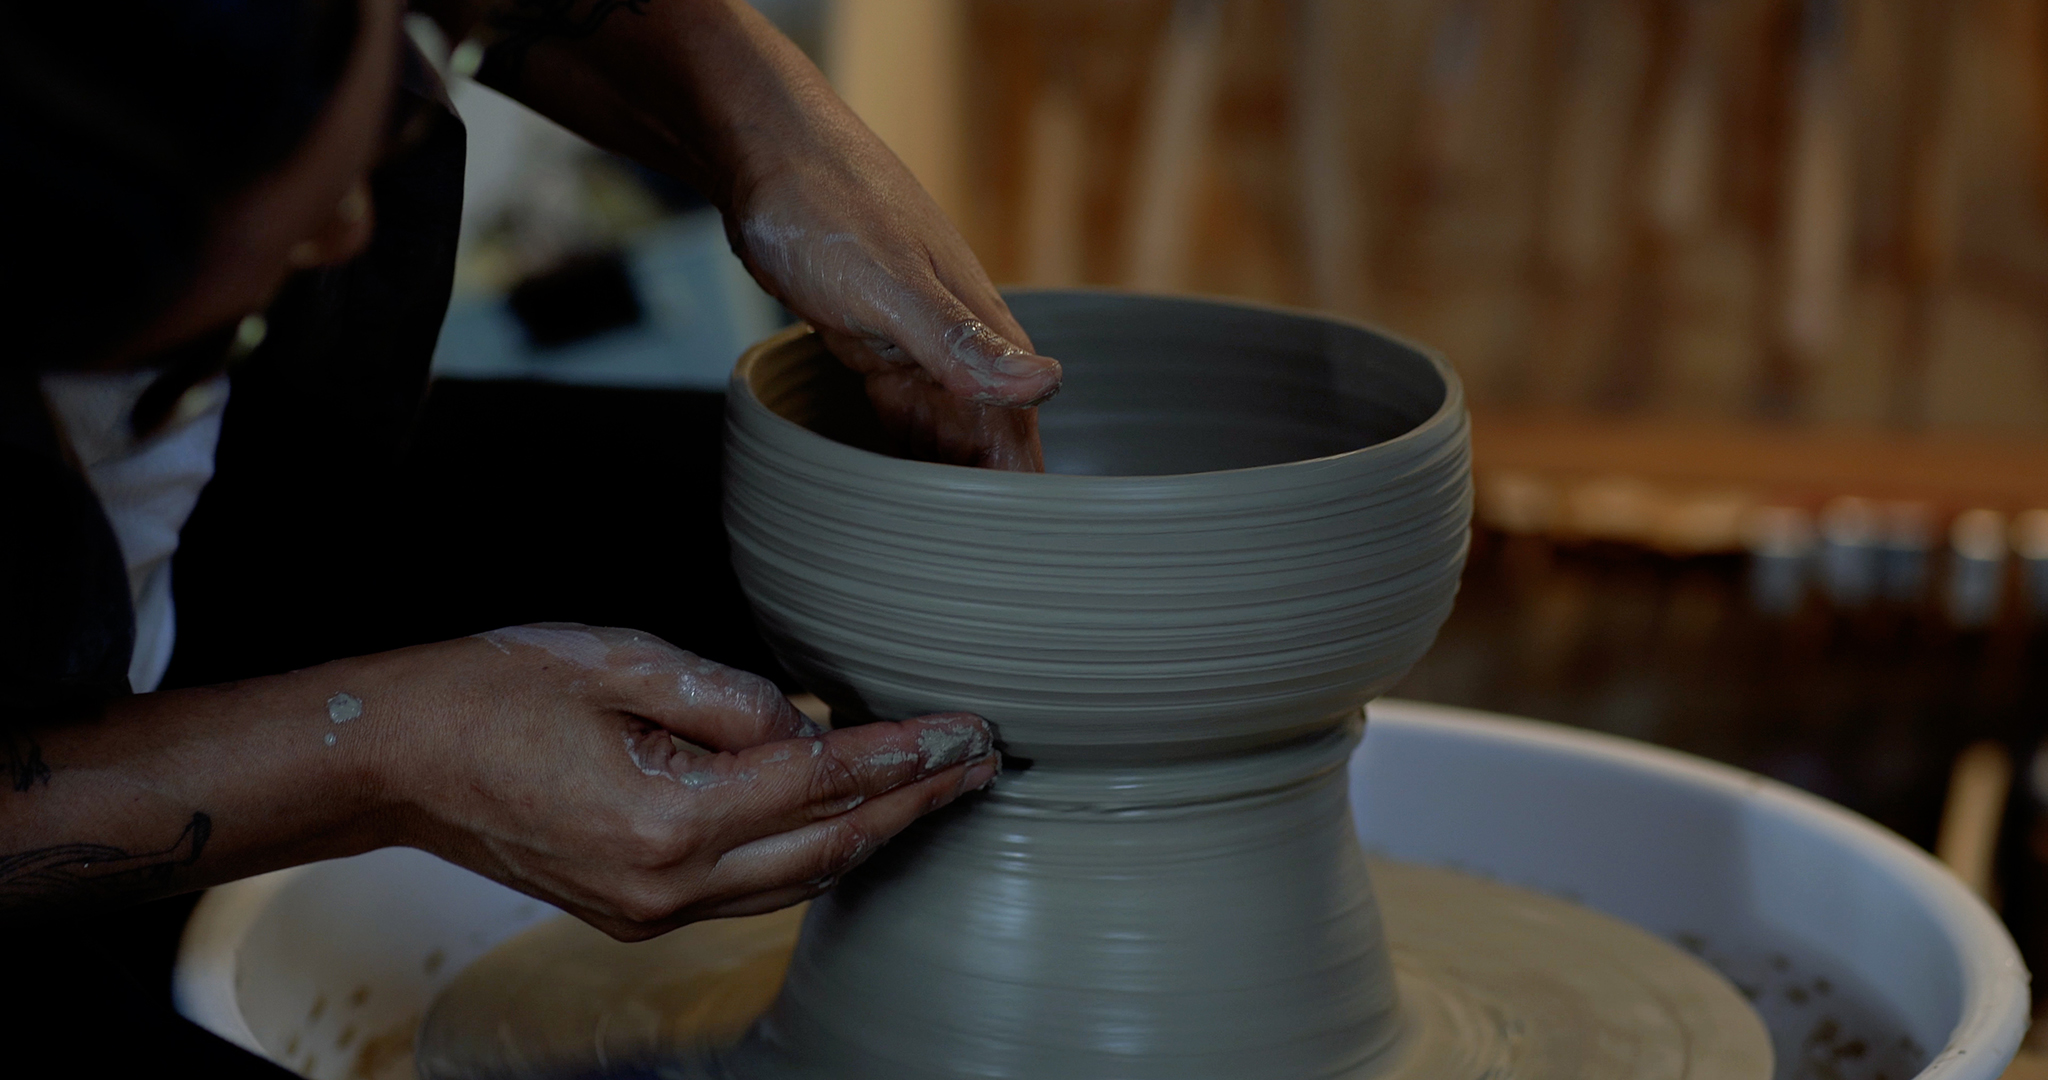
[[1251, 522]]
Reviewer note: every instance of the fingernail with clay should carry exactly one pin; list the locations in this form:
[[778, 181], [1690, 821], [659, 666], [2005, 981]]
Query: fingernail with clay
[[980, 776], [946, 741], [1038, 366], [1024, 365], [988, 353]]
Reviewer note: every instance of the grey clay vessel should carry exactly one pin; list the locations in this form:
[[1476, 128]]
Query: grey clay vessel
[[1252, 522]]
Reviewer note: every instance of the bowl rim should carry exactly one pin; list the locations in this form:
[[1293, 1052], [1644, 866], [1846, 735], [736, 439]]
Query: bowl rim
[[741, 398]]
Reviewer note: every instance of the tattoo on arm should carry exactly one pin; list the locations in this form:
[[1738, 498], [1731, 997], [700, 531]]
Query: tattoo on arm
[[98, 871], [517, 26], [24, 760]]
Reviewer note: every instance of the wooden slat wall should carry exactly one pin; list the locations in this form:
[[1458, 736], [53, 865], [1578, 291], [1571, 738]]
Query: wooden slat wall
[[1825, 212]]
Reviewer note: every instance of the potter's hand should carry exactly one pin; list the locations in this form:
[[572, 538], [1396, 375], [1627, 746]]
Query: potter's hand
[[542, 756], [843, 235], [823, 214]]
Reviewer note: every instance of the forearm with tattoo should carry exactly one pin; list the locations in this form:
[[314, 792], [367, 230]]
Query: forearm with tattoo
[[99, 872], [25, 768], [164, 793]]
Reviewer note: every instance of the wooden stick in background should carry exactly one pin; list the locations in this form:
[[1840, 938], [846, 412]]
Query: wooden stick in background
[[1178, 109], [1327, 36], [1055, 180], [1581, 260], [1592, 143], [1458, 253], [1355, 89], [1977, 790], [1683, 152], [1699, 273], [2033, 45], [898, 63], [1932, 203], [1817, 237]]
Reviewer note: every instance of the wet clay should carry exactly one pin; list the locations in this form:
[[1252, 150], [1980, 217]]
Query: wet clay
[[1204, 918], [1253, 522], [1502, 982], [1114, 610], [1495, 982], [565, 999]]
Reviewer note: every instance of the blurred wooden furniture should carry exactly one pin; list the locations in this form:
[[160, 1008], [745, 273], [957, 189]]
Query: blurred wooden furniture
[[1806, 211], [1950, 471]]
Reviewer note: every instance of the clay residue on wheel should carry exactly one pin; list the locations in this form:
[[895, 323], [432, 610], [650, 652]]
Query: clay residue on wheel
[[563, 999], [1497, 982]]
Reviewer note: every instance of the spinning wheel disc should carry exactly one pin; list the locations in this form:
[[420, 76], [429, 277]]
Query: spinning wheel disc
[[1496, 982]]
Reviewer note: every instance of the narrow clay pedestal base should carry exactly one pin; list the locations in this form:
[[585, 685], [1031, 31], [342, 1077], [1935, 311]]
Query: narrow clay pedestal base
[[1495, 982]]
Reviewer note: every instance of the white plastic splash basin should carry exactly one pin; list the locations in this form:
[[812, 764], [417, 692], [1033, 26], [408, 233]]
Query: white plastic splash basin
[[1864, 957]]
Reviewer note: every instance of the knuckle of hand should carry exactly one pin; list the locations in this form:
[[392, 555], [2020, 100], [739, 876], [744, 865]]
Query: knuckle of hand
[[657, 843], [833, 780], [635, 648], [811, 890], [646, 904], [759, 695], [846, 844], [629, 932], [748, 683]]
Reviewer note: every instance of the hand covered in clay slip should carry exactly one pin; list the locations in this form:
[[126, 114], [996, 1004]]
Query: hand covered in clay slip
[[845, 237], [824, 215], [547, 757]]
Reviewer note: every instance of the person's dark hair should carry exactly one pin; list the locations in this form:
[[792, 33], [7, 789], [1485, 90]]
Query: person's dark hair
[[123, 128]]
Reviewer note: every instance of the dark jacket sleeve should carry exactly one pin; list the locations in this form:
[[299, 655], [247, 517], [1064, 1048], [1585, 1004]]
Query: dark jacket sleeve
[[66, 628]]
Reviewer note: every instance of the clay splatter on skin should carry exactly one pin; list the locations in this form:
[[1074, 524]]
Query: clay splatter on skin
[[341, 708], [709, 779], [633, 754], [700, 684], [840, 258], [580, 647], [344, 707], [950, 745], [656, 753]]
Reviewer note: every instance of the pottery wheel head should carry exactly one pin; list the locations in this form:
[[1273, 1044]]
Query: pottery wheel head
[[1252, 522]]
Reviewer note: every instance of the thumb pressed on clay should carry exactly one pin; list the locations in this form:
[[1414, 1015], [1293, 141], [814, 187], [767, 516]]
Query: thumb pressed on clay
[[988, 369], [968, 357]]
